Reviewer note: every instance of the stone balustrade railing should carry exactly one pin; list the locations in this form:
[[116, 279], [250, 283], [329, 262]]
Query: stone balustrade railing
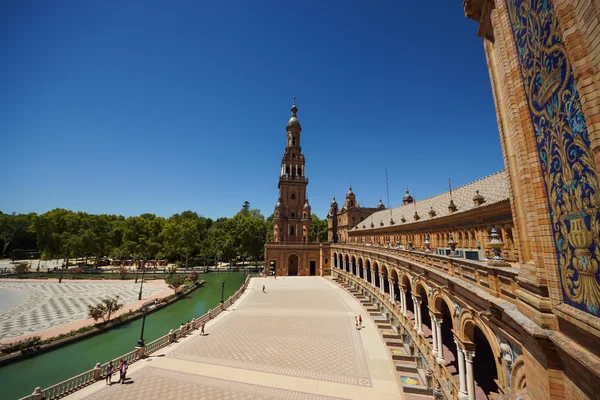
[[499, 281], [420, 345], [99, 371]]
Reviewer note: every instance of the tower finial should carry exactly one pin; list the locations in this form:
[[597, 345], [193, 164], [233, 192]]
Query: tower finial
[[294, 109]]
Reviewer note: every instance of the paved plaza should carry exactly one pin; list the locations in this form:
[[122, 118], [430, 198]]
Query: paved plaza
[[297, 341], [28, 307]]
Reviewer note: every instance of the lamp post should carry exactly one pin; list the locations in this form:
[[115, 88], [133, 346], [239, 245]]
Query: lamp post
[[143, 274], [66, 266], [222, 292], [141, 341]]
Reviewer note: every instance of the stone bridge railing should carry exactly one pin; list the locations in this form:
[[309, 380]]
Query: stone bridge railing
[[80, 381], [500, 281]]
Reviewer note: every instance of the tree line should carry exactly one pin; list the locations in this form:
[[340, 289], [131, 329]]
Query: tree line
[[186, 236]]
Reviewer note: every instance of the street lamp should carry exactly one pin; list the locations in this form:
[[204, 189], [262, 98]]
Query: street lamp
[[141, 341], [143, 274], [66, 265], [222, 292]]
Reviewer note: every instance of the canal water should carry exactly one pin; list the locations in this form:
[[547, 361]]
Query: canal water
[[21, 378]]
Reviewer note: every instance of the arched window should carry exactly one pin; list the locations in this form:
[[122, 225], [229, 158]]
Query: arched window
[[304, 215], [292, 231], [293, 196], [293, 215]]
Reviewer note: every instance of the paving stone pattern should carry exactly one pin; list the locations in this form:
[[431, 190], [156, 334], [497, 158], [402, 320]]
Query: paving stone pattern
[[154, 383], [29, 307], [316, 343]]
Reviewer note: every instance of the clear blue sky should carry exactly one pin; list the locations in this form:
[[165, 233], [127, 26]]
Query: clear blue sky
[[129, 107]]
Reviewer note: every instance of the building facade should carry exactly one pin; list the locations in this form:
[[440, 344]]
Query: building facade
[[291, 252], [528, 326], [340, 222]]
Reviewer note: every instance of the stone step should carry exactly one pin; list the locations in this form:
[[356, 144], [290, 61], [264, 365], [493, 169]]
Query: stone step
[[400, 353], [389, 334], [412, 383], [406, 366], [394, 342]]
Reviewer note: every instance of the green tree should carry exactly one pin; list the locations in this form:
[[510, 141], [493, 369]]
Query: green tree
[[182, 235], [13, 227], [104, 309], [175, 282], [318, 229]]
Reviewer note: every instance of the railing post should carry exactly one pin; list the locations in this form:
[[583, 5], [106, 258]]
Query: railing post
[[140, 352], [98, 372], [37, 394]]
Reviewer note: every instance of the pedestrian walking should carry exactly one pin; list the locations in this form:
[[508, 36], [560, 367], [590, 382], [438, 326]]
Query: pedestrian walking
[[124, 372], [121, 369], [263, 288], [109, 372], [202, 328], [360, 321], [356, 321]]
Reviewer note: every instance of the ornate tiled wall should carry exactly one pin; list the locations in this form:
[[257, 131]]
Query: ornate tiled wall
[[563, 147]]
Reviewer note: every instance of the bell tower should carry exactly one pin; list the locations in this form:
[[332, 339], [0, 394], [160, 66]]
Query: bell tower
[[292, 213]]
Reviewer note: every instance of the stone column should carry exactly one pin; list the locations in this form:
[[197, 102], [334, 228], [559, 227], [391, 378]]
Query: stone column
[[344, 263], [469, 356], [351, 268], [440, 345], [373, 278], [364, 273], [418, 318], [392, 292], [434, 343], [403, 300], [462, 392], [381, 284], [416, 321]]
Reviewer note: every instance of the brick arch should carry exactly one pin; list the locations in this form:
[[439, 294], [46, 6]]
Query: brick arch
[[406, 280], [393, 275], [466, 325], [420, 283], [384, 270], [438, 297]]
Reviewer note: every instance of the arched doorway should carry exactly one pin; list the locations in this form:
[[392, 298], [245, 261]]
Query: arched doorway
[[369, 271], [376, 269], [449, 351], [426, 325], [293, 265], [360, 269], [484, 365]]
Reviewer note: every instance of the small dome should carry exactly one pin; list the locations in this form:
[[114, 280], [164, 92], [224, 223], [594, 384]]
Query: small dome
[[279, 205], [407, 198], [380, 206], [350, 192], [293, 122], [333, 202], [306, 205]]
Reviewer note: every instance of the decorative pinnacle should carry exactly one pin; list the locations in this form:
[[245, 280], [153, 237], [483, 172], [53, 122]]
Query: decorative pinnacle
[[294, 108]]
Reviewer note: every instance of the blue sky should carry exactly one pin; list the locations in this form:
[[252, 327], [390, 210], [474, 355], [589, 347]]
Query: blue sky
[[152, 106]]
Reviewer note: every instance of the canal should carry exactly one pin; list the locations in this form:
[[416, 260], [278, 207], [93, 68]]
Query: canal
[[21, 378]]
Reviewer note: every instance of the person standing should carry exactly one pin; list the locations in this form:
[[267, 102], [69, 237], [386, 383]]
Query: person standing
[[109, 372], [263, 288], [202, 328], [121, 370], [124, 372], [359, 321]]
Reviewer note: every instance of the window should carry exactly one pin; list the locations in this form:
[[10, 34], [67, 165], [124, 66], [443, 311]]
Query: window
[[293, 215], [304, 215], [292, 231], [293, 196]]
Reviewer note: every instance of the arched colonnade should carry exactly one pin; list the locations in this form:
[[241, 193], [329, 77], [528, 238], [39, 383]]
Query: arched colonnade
[[460, 340]]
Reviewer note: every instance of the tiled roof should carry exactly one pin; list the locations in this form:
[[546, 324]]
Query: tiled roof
[[494, 189]]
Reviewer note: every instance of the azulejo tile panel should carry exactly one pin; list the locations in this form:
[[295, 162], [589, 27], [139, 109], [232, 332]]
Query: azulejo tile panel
[[563, 146]]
